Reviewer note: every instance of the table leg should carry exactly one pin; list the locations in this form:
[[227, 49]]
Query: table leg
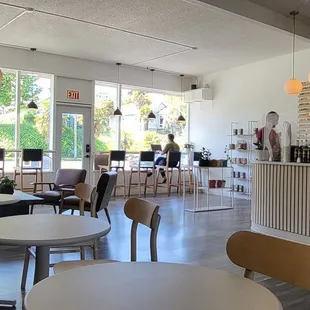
[[42, 263]]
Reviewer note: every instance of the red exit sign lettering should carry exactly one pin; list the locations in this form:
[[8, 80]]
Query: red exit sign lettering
[[73, 94]]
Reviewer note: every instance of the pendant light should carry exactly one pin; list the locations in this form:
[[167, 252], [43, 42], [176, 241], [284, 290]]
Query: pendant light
[[32, 105], [293, 86], [181, 118], [118, 112], [151, 115], [1, 78]]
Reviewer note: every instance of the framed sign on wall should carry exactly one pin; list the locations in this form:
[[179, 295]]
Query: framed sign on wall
[[73, 94]]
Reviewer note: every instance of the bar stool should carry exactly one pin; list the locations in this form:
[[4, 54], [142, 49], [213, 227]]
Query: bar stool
[[2, 158], [172, 164], [118, 157], [145, 166], [101, 163], [31, 164]]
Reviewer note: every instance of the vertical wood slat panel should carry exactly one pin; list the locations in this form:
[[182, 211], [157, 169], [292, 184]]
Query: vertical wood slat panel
[[280, 191], [263, 194], [292, 190], [300, 202], [285, 197], [304, 199], [296, 200], [289, 184], [274, 198], [308, 204]]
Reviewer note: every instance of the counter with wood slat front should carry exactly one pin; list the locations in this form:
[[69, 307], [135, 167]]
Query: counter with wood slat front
[[281, 200]]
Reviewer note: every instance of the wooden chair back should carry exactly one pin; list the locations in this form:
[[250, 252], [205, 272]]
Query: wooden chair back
[[277, 258], [146, 213], [86, 193]]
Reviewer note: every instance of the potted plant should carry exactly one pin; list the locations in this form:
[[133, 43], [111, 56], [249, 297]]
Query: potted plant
[[7, 185], [204, 160], [228, 158]]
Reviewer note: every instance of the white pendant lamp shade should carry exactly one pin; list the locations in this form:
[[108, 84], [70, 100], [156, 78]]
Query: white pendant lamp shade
[[293, 87]]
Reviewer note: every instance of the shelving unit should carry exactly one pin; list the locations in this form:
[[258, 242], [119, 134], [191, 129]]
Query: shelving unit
[[247, 154], [202, 199]]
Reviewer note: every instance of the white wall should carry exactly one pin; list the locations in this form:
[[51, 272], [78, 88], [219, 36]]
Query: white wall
[[242, 94], [19, 59]]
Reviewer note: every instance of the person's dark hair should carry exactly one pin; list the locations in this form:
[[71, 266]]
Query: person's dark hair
[[272, 112], [171, 137]]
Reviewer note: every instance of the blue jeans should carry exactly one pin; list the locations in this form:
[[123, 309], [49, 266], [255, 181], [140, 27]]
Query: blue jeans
[[161, 161]]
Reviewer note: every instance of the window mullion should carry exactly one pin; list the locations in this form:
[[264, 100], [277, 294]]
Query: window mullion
[[17, 115]]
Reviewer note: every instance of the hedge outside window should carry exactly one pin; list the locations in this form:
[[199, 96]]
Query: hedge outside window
[[105, 126]]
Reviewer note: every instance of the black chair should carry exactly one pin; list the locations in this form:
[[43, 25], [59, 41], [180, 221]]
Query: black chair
[[117, 162], [173, 163], [105, 186], [2, 158], [145, 166], [31, 163]]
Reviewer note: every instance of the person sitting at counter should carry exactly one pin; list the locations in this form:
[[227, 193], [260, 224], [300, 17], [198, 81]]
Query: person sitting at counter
[[171, 146], [268, 138]]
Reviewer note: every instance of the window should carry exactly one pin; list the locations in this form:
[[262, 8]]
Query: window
[[35, 130], [8, 115], [105, 126], [137, 132]]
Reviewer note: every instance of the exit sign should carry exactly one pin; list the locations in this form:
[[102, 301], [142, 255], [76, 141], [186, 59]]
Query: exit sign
[[73, 94]]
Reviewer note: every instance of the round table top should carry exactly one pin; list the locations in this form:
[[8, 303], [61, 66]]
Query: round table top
[[152, 286], [50, 229], [6, 199]]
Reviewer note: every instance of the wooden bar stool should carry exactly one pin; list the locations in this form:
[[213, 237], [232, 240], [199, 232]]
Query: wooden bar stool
[[2, 158], [145, 166], [117, 162], [31, 163], [173, 161]]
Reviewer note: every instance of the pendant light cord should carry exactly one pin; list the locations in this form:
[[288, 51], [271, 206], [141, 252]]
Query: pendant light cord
[[294, 13]]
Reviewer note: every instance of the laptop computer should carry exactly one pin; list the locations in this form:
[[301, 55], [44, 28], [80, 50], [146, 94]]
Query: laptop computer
[[156, 147]]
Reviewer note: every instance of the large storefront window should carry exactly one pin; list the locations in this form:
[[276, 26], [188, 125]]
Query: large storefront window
[[34, 130], [105, 126], [137, 132]]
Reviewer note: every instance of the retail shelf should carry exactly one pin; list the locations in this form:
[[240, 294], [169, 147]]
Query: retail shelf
[[245, 135]]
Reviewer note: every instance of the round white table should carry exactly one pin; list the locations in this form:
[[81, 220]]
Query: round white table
[[6, 199], [45, 230], [152, 286]]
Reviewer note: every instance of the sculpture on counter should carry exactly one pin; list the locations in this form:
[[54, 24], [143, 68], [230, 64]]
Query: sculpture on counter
[[286, 138], [268, 139]]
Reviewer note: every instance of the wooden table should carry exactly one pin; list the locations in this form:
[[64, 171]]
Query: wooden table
[[45, 230], [151, 286], [20, 206]]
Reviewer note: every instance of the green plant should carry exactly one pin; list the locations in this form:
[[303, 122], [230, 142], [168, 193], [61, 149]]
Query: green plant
[[6, 182], [205, 154], [189, 145], [226, 152]]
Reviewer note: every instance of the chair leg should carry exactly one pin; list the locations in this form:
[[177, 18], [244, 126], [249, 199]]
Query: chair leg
[[154, 182], [157, 177], [31, 209], [25, 269], [21, 176], [82, 251], [96, 249], [124, 180], [72, 211], [108, 215], [145, 183], [55, 209], [129, 184], [169, 181]]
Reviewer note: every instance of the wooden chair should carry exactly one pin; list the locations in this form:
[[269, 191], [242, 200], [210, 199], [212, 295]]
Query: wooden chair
[[173, 162], [31, 163], [86, 194], [116, 162], [139, 211], [145, 166], [277, 258], [105, 187], [2, 159]]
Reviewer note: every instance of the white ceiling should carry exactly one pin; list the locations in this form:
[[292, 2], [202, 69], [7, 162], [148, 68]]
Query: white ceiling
[[223, 39]]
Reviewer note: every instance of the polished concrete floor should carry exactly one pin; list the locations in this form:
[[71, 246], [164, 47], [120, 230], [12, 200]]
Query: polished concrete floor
[[197, 239]]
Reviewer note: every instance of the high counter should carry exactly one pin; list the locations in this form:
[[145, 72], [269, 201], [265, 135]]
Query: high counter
[[281, 200]]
